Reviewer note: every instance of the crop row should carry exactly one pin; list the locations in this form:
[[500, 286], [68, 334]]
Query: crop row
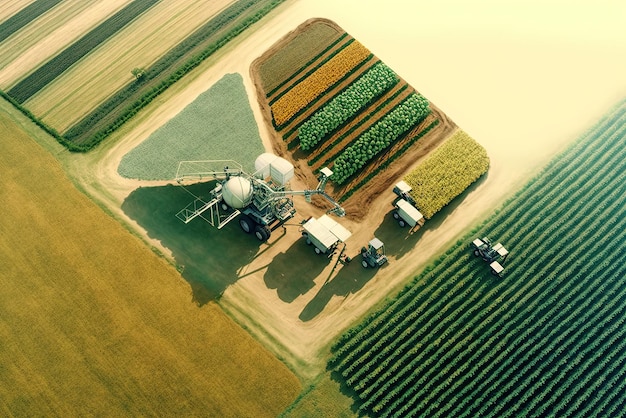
[[346, 105], [548, 339], [43, 75], [126, 103], [278, 63], [479, 357], [383, 165], [25, 16], [380, 136], [307, 90], [447, 172]]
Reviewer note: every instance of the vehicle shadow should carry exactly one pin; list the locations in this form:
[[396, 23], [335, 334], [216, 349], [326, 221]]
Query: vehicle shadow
[[208, 259], [350, 278], [293, 272], [399, 241]]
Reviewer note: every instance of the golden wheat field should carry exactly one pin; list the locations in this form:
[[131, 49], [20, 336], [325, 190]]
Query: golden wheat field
[[94, 323]]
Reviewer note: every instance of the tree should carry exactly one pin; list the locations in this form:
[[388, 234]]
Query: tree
[[138, 72]]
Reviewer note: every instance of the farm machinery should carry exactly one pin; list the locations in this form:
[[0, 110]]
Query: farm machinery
[[406, 212], [490, 254], [262, 200], [374, 254], [324, 234]]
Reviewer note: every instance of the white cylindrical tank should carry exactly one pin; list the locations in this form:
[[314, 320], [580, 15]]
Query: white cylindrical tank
[[262, 164], [237, 192], [281, 170]]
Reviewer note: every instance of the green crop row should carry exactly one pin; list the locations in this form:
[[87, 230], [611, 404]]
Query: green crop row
[[545, 339], [373, 83], [362, 121], [25, 16], [388, 161], [43, 75], [122, 106], [380, 136]]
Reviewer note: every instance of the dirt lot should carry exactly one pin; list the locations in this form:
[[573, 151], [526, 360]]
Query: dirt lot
[[288, 297]]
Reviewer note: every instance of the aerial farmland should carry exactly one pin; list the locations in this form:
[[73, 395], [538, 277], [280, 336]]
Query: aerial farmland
[[291, 208]]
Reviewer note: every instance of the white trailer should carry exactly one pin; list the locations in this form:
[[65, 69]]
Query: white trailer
[[407, 214], [324, 234]]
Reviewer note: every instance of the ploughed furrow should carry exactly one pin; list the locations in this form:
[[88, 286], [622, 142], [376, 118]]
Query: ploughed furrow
[[308, 68]]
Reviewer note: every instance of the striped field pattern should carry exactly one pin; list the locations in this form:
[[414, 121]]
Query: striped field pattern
[[546, 339]]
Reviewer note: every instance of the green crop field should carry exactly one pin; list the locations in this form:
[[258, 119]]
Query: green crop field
[[43, 75], [218, 125], [25, 16], [546, 339], [93, 323]]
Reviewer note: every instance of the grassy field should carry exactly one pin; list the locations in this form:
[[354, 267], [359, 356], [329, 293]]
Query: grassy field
[[218, 125], [546, 339], [93, 323], [107, 69]]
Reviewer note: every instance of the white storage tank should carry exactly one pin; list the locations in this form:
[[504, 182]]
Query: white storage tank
[[281, 170], [262, 164], [237, 192]]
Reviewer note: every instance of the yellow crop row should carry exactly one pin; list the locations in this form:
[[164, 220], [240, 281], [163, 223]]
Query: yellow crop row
[[319, 81], [447, 172]]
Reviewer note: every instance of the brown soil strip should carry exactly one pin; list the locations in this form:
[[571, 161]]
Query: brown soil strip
[[297, 77]]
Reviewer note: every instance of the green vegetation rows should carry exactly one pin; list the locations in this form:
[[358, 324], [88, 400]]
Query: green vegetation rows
[[548, 338], [43, 75], [25, 16], [127, 102]]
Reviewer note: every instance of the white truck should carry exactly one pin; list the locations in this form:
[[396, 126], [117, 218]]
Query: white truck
[[324, 234], [406, 213]]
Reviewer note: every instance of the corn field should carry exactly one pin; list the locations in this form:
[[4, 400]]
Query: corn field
[[447, 172], [546, 339]]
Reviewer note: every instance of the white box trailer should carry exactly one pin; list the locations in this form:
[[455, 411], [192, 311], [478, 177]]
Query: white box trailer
[[407, 214], [324, 234]]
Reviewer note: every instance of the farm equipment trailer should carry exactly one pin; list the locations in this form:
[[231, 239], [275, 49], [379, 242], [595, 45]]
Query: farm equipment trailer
[[324, 234], [490, 254], [406, 212], [262, 200]]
